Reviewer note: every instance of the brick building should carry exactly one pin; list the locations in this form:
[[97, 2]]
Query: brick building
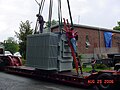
[[91, 41]]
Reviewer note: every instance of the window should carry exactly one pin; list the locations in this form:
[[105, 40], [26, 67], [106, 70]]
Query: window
[[1, 51], [87, 43]]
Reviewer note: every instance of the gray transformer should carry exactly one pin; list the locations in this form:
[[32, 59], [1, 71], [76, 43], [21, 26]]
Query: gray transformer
[[49, 51], [64, 55]]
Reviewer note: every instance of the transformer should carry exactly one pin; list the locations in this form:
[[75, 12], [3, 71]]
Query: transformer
[[49, 51]]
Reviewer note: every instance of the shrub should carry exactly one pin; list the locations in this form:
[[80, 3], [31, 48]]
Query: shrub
[[100, 66], [80, 56], [23, 61], [84, 66]]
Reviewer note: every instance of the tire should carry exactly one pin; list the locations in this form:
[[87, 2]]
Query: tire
[[104, 77], [117, 67]]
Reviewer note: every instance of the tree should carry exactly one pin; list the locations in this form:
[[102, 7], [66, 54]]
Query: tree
[[53, 22], [24, 30], [11, 45], [117, 27]]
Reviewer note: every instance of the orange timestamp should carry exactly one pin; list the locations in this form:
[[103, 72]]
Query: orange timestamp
[[105, 81]]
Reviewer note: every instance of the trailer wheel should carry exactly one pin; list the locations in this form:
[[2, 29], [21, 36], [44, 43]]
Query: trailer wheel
[[117, 67], [107, 81]]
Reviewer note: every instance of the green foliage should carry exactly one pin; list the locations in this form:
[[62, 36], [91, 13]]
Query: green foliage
[[88, 69], [23, 61], [24, 30], [117, 27], [84, 66], [100, 66], [11, 45], [80, 56], [53, 22]]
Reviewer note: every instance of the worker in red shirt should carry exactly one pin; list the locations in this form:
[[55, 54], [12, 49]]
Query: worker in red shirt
[[71, 36]]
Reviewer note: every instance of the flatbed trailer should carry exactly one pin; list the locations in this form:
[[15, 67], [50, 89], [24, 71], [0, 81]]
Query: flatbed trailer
[[102, 80], [68, 77]]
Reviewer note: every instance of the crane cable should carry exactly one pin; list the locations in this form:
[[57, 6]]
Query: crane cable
[[70, 14], [50, 15], [60, 15], [41, 5]]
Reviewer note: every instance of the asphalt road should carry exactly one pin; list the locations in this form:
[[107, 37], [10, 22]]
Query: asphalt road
[[14, 82]]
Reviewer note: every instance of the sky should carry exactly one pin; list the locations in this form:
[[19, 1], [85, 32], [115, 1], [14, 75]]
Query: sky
[[96, 13]]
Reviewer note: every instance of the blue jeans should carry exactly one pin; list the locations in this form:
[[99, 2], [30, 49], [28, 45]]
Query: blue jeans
[[41, 28], [73, 42]]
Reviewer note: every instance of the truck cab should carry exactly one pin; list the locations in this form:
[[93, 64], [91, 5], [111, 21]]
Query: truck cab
[[115, 59], [117, 67], [2, 51]]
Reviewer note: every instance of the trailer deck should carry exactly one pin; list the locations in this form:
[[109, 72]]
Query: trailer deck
[[67, 77], [105, 79]]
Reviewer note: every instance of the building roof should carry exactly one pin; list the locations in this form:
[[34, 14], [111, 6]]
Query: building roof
[[90, 27]]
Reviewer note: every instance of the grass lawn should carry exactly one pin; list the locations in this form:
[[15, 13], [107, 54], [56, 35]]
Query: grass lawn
[[89, 68]]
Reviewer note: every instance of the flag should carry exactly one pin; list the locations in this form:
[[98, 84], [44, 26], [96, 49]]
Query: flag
[[108, 39]]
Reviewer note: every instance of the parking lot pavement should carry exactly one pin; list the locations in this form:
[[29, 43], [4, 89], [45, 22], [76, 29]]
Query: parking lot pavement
[[13, 82]]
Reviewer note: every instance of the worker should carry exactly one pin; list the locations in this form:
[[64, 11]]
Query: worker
[[76, 36], [93, 61], [71, 36], [41, 22]]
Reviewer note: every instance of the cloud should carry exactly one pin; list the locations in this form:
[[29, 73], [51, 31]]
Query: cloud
[[100, 13], [12, 13]]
